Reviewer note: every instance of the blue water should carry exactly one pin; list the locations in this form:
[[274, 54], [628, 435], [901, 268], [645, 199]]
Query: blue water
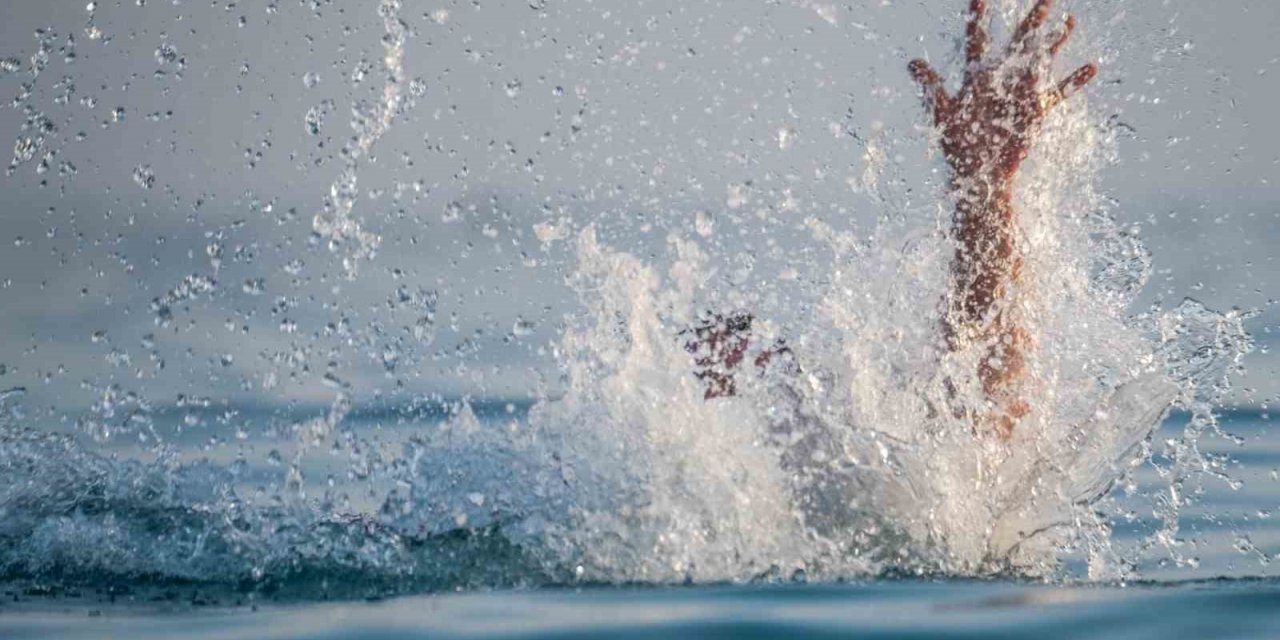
[[1226, 589], [884, 609]]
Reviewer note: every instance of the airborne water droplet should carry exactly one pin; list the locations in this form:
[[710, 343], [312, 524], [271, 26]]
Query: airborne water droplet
[[143, 176], [786, 138], [166, 54], [523, 327]]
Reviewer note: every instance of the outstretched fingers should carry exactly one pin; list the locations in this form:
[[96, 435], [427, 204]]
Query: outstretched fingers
[[976, 32], [1078, 78], [935, 95], [1063, 36], [1039, 13]]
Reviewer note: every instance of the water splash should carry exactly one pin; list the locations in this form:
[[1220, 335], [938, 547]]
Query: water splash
[[370, 122], [852, 461]]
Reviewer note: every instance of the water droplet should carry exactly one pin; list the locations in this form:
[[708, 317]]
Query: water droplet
[[786, 138], [704, 224], [166, 54], [310, 79], [452, 212], [523, 327], [143, 176]]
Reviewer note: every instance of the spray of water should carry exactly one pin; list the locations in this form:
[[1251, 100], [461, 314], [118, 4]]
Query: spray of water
[[370, 122], [852, 460]]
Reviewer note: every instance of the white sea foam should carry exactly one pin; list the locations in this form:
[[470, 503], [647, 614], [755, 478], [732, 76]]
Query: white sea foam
[[853, 461]]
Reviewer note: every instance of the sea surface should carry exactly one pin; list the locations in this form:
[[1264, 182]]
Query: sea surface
[[1226, 608], [1227, 589]]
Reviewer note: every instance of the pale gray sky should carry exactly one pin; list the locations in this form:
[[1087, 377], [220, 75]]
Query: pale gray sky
[[617, 112]]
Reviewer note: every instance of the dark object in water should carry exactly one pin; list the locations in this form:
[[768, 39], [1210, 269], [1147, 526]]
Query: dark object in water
[[719, 345]]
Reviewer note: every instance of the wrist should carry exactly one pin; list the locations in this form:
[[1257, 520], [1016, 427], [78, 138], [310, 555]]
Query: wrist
[[980, 187]]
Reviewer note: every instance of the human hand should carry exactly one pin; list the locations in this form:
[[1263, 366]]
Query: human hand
[[988, 126]]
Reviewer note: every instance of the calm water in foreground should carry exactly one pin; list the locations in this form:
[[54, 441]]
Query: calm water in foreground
[[1212, 609]]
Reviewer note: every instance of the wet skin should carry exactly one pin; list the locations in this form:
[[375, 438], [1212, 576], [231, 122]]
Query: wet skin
[[986, 131]]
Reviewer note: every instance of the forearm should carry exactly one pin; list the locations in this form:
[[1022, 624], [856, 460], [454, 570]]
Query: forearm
[[987, 129], [987, 261], [984, 272]]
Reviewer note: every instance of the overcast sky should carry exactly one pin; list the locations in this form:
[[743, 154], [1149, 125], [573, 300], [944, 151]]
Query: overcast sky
[[182, 152]]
